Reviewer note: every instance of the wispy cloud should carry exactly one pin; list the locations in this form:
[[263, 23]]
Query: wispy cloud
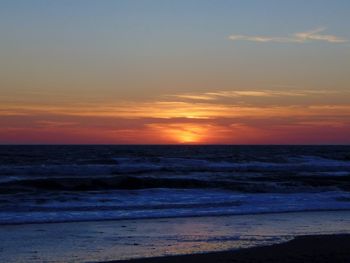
[[210, 96], [200, 106], [300, 37], [170, 110]]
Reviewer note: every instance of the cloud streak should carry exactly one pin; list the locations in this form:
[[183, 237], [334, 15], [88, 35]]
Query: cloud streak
[[214, 96], [300, 37]]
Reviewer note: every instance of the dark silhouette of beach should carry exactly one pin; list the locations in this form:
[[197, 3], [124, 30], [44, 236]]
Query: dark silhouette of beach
[[313, 249]]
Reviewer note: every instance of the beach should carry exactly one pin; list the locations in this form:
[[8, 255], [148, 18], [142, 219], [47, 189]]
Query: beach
[[316, 249], [200, 238]]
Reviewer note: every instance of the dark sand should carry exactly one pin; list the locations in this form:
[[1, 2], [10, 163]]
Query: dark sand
[[317, 249]]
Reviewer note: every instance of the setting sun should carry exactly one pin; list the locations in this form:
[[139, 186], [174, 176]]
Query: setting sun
[[186, 133], [183, 133], [189, 135]]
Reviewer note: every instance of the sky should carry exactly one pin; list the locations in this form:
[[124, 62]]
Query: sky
[[174, 72]]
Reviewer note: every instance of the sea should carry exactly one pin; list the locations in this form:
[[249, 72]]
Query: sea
[[61, 183]]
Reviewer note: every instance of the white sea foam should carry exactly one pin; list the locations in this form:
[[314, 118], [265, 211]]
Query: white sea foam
[[158, 203]]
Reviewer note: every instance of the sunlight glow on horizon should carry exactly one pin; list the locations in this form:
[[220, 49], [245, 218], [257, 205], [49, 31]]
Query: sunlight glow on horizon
[[185, 119], [183, 133]]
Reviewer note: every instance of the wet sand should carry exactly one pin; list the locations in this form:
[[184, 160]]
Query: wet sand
[[103, 241], [314, 249]]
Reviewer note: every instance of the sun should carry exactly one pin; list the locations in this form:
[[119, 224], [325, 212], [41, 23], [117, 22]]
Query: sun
[[187, 137], [187, 133], [182, 133]]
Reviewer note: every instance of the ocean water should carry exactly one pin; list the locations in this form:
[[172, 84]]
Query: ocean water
[[41, 184]]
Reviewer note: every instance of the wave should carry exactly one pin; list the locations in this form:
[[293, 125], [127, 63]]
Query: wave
[[59, 184], [168, 203], [135, 165], [256, 184]]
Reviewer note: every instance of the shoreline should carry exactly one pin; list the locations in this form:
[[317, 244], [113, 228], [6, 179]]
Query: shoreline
[[314, 249], [163, 239], [176, 217]]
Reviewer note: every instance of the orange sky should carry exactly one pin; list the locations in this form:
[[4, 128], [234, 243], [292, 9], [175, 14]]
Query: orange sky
[[226, 117]]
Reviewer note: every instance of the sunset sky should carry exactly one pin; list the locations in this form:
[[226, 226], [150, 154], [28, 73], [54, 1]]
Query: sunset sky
[[175, 71]]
